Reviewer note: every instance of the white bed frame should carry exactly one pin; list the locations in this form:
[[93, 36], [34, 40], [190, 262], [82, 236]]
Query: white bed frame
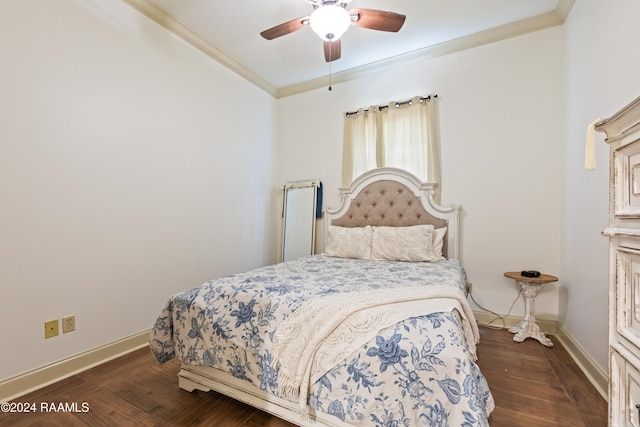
[[206, 379], [424, 193]]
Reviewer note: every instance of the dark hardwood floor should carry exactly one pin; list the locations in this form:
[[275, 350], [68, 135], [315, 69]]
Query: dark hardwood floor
[[532, 385]]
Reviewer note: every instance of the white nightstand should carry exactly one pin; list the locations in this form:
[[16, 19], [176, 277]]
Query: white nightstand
[[528, 328]]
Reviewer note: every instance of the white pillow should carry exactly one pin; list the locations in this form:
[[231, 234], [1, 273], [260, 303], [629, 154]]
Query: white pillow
[[413, 243], [438, 239], [349, 242]]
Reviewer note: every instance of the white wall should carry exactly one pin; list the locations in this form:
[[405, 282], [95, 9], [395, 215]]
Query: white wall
[[601, 77], [127, 173], [124, 160], [502, 126], [513, 121]]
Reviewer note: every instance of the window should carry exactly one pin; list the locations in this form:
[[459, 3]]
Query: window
[[401, 134]]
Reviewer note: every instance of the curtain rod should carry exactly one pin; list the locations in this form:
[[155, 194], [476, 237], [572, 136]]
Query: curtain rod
[[398, 104]]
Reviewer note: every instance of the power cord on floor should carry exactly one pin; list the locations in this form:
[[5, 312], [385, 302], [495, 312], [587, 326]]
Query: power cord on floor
[[497, 316]]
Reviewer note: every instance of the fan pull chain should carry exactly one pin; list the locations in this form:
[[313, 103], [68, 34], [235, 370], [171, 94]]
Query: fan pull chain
[[331, 60]]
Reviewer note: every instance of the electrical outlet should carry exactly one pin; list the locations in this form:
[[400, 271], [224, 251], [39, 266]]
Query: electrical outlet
[[469, 287], [51, 328], [68, 324]]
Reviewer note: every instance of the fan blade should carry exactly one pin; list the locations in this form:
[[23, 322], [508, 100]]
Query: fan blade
[[377, 19], [285, 28], [332, 50]]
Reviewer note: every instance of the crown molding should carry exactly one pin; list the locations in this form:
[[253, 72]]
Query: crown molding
[[564, 8], [156, 14], [503, 32]]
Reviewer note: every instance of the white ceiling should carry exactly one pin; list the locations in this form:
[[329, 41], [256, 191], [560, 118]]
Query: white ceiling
[[230, 32]]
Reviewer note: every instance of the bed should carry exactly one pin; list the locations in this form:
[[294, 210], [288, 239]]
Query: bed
[[374, 331]]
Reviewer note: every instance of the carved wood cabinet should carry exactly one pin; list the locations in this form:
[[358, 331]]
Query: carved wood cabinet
[[623, 136]]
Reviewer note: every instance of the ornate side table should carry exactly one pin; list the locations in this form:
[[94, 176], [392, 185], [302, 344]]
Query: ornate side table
[[528, 328]]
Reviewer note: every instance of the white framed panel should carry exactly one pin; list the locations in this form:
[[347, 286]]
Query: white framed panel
[[627, 295], [624, 388], [626, 162], [299, 219]]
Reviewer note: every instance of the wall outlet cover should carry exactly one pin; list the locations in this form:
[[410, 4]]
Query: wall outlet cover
[[51, 328], [68, 324]]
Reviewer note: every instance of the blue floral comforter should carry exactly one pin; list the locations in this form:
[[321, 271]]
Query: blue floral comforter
[[417, 372]]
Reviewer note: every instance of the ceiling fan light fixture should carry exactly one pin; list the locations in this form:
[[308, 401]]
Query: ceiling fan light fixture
[[330, 21]]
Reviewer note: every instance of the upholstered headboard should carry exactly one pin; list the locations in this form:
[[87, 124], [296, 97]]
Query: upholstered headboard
[[395, 198]]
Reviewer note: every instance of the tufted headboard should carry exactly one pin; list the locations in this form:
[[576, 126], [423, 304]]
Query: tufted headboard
[[395, 198]]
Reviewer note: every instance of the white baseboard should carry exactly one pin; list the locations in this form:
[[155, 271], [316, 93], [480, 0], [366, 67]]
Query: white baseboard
[[487, 319], [594, 374], [30, 381], [597, 376], [26, 383]]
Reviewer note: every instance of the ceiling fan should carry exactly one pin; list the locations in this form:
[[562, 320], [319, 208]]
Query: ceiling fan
[[330, 19]]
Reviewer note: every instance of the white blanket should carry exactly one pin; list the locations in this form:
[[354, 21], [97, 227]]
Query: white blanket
[[322, 332]]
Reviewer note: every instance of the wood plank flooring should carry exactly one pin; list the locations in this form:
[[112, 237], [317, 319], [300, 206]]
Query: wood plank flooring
[[532, 385]]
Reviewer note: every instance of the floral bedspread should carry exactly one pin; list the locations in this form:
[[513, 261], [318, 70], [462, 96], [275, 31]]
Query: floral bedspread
[[417, 372]]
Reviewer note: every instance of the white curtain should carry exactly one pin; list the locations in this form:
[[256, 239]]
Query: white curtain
[[359, 150], [403, 135]]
